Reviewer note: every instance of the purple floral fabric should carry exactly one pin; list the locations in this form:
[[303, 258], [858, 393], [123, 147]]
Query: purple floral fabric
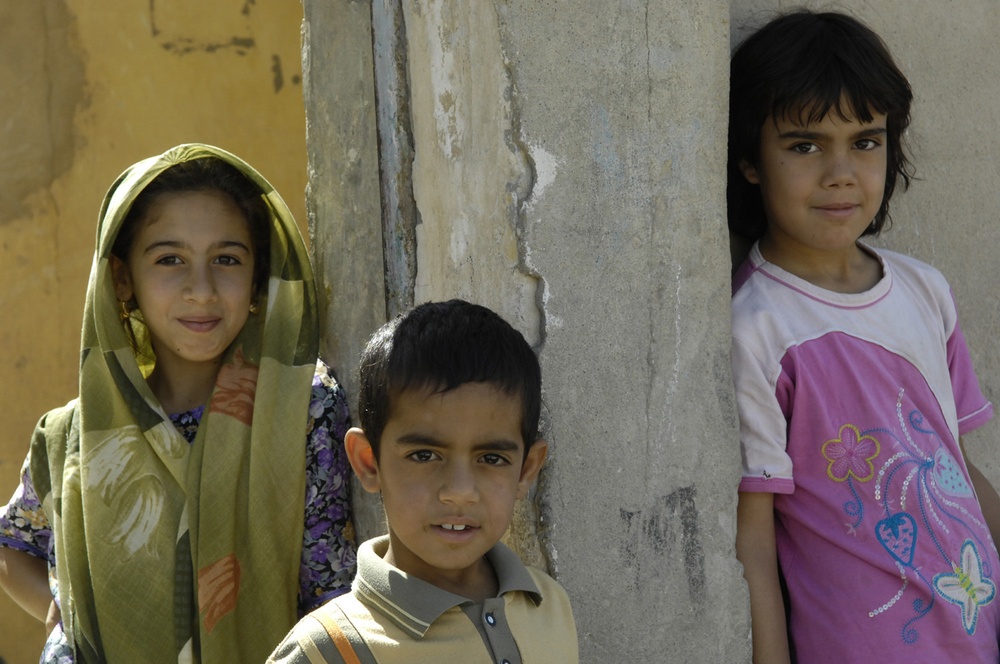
[[328, 549]]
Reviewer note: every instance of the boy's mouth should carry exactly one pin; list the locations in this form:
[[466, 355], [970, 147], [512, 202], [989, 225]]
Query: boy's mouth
[[452, 526]]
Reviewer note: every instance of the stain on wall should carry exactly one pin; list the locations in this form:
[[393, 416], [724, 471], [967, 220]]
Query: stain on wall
[[279, 78], [664, 534], [41, 85], [222, 24]]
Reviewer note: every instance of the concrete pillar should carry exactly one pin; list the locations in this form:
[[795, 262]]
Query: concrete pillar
[[563, 163]]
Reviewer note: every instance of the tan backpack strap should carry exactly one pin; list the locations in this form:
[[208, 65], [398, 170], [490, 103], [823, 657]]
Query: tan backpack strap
[[343, 635], [340, 640]]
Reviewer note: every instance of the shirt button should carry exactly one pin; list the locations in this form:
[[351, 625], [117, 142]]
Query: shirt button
[[491, 621], [505, 661]]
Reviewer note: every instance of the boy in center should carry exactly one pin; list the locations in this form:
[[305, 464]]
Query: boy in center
[[449, 404]]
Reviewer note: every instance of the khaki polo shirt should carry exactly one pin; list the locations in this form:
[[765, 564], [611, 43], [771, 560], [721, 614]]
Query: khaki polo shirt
[[401, 618]]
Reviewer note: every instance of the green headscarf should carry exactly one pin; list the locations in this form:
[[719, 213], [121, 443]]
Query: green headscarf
[[167, 551]]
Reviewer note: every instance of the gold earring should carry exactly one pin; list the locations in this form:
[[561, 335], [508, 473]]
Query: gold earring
[[123, 311], [253, 308]]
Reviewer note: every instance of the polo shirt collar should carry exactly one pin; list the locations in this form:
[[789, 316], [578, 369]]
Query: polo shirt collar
[[413, 604]]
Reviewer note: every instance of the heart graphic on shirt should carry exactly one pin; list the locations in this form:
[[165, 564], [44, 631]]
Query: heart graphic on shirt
[[898, 534], [948, 475]]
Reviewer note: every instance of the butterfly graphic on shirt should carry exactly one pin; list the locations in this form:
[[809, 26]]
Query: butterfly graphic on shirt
[[966, 587]]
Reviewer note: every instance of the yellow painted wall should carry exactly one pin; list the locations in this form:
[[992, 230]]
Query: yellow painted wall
[[87, 88]]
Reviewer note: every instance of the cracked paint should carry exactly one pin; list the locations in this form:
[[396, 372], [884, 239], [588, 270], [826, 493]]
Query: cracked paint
[[470, 172]]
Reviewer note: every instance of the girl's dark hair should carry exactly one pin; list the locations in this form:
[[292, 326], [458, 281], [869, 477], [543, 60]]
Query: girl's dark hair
[[442, 346], [804, 65], [206, 174]]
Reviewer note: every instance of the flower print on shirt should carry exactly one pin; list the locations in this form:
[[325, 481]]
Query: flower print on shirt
[[915, 490], [851, 455]]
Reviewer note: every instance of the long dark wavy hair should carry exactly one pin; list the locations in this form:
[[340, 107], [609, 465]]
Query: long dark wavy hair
[[804, 65]]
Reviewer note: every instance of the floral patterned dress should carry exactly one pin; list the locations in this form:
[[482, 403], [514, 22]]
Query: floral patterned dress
[[328, 549]]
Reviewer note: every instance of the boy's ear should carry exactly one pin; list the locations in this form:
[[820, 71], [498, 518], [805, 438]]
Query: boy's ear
[[121, 278], [749, 172], [532, 465], [362, 458]]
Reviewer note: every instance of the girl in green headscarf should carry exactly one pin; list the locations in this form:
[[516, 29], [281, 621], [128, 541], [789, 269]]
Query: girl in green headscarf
[[193, 501]]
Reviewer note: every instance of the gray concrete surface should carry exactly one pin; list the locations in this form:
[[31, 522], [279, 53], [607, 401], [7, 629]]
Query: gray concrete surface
[[564, 163]]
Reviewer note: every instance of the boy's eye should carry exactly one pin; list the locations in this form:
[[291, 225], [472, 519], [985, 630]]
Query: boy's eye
[[421, 456], [804, 148], [867, 144], [168, 260], [494, 459], [228, 260]]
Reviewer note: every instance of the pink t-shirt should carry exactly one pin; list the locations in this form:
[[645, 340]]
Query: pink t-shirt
[[851, 406]]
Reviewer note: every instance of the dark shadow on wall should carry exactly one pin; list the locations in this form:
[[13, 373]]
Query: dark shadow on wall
[[41, 89]]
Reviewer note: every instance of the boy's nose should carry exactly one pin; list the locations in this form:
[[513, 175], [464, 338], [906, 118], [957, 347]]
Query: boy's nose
[[459, 485]]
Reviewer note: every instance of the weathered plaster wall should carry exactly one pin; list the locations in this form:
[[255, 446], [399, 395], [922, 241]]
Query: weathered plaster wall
[[567, 169], [577, 151], [470, 173], [625, 116], [86, 89]]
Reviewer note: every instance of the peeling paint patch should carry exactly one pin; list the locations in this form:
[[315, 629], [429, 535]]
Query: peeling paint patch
[[546, 167], [182, 46], [279, 79], [448, 111], [223, 24], [470, 174], [551, 320], [459, 241]]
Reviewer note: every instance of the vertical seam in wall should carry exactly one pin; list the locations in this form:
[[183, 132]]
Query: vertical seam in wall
[[649, 79], [521, 191], [400, 215]]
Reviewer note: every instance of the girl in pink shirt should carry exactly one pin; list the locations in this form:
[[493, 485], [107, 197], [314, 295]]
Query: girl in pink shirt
[[864, 531]]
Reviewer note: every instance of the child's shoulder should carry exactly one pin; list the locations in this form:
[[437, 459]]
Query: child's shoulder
[[545, 626], [906, 265], [55, 437], [551, 594], [379, 620], [328, 396], [917, 281], [537, 607], [59, 419], [323, 376], [326, 634]]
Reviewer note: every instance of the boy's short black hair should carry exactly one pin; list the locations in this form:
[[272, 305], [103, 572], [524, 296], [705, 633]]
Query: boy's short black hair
[[805, 65], [441, 346]]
